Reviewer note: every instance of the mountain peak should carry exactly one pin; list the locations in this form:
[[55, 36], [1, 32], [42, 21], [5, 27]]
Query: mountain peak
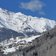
[[18, 22]]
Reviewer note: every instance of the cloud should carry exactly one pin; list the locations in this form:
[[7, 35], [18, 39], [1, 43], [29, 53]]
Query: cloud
[[33, 5]]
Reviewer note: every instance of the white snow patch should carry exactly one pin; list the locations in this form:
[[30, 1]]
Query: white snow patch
[[9, 50]]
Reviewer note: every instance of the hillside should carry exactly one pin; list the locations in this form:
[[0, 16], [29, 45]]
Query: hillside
[[45, 45]]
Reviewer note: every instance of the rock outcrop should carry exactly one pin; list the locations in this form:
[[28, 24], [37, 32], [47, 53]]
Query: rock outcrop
[[45, 45]]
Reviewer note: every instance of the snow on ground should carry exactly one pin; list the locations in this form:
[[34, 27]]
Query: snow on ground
[[17, 41], [30, 38], [9, 50]]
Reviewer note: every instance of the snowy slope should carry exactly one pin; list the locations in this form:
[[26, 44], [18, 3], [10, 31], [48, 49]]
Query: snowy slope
[[16, 44], [20, 22]]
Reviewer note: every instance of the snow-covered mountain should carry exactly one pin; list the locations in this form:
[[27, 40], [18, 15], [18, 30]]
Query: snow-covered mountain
[[23, 23], [18, 24]]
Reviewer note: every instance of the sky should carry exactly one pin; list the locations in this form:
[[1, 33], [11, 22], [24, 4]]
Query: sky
[[38, 8]]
